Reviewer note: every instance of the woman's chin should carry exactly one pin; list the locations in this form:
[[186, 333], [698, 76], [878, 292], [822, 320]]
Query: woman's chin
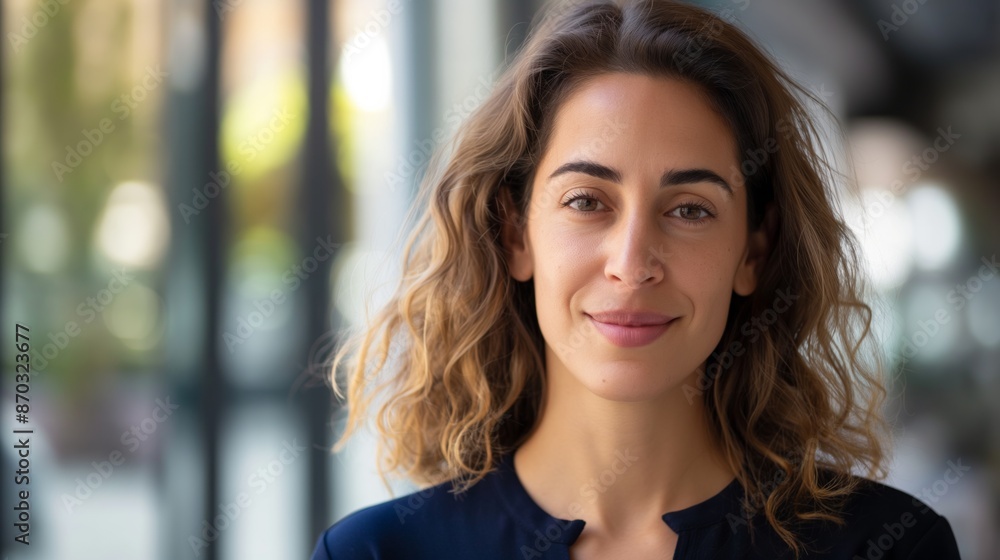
[[626, 384]]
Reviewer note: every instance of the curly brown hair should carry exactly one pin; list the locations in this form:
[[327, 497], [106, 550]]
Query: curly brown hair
[[796, 413]]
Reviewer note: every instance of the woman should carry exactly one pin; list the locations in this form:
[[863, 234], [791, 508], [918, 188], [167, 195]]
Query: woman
[[630, 321]]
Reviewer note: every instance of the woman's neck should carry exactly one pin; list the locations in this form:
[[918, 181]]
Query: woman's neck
[[619, 466]]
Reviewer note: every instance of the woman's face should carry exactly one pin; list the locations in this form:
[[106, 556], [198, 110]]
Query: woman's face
[[636, 206]]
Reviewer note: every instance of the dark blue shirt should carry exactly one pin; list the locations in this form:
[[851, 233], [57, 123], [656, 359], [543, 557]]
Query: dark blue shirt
[[497, 519]]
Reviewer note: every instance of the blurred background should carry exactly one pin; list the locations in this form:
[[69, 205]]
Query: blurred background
[[198, 195]]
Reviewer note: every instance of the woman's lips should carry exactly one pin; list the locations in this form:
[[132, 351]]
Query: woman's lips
[[630, 337]]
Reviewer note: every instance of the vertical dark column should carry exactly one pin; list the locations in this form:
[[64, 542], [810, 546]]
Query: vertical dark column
[[193, 283], [212, 393], [320, 197]]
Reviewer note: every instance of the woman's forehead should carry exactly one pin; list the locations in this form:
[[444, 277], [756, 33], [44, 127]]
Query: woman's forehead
[[620, 118]]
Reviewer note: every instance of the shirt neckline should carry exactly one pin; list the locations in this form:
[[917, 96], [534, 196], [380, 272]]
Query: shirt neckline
[[532, 517]]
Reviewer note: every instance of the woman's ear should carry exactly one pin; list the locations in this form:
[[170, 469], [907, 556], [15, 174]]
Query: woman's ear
[[758, 247], [514, 236]]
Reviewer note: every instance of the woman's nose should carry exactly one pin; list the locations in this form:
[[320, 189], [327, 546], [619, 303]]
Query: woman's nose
[[636, 254]]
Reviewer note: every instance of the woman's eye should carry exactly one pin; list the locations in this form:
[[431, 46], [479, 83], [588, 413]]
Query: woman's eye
[[692, 213], [587, 203]]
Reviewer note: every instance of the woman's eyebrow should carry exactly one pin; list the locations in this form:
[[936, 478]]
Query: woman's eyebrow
[[670, 178]]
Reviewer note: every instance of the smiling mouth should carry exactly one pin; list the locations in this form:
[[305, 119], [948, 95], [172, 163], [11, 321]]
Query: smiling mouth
[[630, 336], [631, 318]]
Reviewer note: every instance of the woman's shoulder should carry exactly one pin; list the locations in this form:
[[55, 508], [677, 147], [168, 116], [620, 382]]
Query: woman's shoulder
[[884, 522], [409, 526]]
